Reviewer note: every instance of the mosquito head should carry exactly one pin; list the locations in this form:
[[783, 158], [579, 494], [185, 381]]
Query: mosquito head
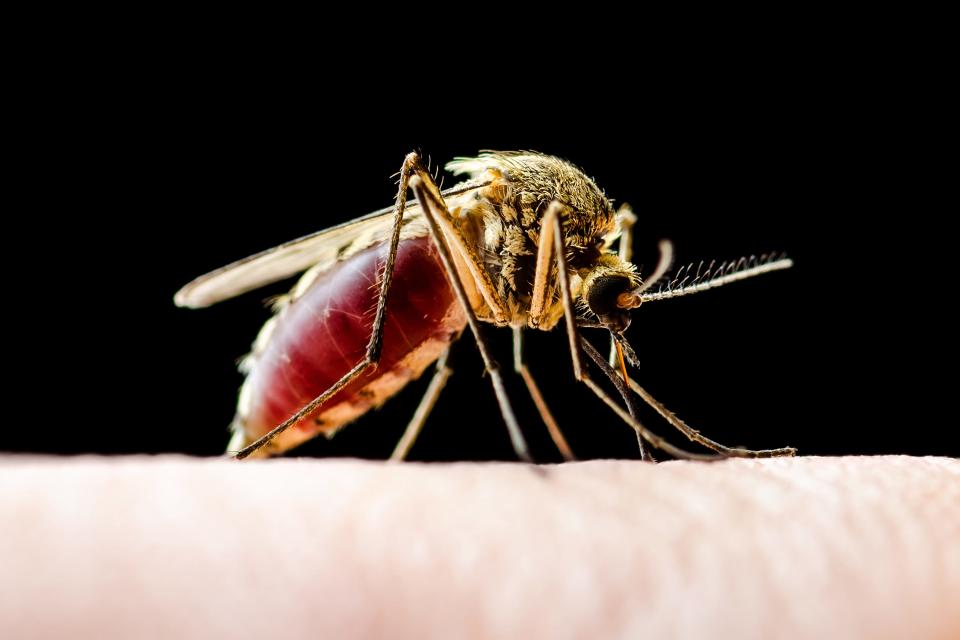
[[614, 288], [610, 297]]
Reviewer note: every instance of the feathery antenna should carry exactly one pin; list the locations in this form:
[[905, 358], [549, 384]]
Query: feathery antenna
[[690, 280]]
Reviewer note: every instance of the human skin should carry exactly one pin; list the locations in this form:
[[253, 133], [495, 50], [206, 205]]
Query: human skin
[[183, 547]]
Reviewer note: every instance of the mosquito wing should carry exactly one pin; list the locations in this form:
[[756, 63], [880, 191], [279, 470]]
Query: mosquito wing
[[282, 261], [290, 258]]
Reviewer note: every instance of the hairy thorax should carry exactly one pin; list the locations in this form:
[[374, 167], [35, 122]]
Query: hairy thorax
[[502, 221]]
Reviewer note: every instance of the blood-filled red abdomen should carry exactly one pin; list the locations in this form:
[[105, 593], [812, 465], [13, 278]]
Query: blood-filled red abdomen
[[324, 332]]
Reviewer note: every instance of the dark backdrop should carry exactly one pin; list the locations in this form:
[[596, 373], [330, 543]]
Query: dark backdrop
[[151, 178]]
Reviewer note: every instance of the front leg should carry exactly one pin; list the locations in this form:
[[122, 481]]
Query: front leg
[[622, 384], [551, 233], [545, 414]]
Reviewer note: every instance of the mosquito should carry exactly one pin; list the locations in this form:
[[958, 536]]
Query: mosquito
[[526, 241]]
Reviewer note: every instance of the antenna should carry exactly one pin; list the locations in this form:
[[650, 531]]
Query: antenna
[[688, 281]]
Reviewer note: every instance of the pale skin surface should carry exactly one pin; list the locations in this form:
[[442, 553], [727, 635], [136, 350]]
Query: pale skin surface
[[181, 547]]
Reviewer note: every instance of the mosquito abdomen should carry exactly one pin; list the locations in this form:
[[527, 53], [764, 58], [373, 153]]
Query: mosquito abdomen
[[324, 332]]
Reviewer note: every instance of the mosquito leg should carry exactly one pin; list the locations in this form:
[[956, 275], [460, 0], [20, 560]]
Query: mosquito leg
[[411, 168], [436, 214], [551, 231], [626, 218], [647, 435], [691, 433], [696, 436], [541, 294], [550, 226], [466, 260], [666, 259], [520, 367], [439, 380]]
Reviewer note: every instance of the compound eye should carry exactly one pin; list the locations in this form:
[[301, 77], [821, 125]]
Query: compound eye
[[603, 299]]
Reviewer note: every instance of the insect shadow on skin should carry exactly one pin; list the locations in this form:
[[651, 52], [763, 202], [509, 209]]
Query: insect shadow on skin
[[526, 241]]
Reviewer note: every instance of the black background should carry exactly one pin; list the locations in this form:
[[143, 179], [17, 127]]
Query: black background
[[144, 173]]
